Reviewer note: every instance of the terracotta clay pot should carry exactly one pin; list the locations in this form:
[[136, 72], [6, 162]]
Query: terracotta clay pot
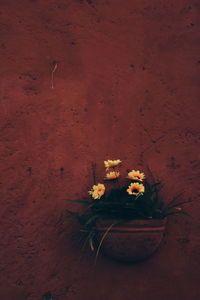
[[131, 241]]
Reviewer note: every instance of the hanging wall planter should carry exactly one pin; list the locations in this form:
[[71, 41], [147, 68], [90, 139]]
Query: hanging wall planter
[[130, 241], [126, 222]]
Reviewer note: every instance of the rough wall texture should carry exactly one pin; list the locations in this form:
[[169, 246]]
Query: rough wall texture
[[83, 81]]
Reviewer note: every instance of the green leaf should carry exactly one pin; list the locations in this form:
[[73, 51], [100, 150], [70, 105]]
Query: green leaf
[[91, 244], [178, 212], [174, 199], [139, 195], [177, 204], [103, 237], [89, 236], [90, 220]]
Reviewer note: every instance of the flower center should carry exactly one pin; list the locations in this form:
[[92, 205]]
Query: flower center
[[135, 191]]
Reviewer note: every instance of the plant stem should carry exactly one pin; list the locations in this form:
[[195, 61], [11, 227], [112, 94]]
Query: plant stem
[[117, 178]]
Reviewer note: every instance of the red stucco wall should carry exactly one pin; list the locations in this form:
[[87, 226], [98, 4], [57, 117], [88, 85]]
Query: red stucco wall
[[126, 86]]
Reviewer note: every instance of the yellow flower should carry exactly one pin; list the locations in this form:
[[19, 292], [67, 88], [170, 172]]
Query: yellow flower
[[111, 163], [112, 175], [178, 208], [136, 175], [97, 191], [135, 188]]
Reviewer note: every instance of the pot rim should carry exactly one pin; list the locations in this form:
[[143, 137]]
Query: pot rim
[[132, 225]]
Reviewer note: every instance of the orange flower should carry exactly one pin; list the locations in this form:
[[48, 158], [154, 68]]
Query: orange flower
[[97, 191], [111, 163], [136, 175], [135, 188], [112, 175]]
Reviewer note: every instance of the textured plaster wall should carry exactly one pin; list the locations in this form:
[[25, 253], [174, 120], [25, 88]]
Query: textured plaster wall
[[125, 85]]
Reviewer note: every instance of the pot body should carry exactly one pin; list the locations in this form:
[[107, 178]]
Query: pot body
[[131, 241]]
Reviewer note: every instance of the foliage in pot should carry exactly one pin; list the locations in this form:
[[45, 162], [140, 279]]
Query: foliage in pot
[[127, 222]]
